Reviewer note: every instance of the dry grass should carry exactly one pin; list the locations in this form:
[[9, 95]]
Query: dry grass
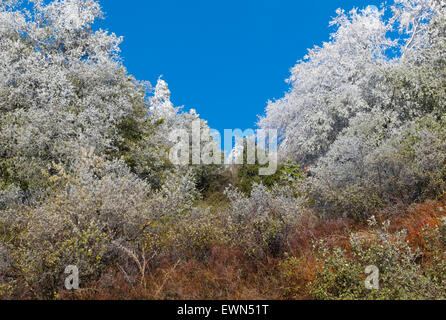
[[230, 275], [417, 218]]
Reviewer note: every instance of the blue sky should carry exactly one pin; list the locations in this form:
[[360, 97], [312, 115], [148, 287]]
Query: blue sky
[[225, 59]]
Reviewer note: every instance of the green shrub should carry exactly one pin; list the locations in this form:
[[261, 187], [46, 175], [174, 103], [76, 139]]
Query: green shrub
[[356, 180], [401, 276]]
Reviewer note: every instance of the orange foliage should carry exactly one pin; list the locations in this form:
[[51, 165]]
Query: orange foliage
[[418, 218], [228, 274]]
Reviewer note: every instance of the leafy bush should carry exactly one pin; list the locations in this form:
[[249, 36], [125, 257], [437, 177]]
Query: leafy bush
[[435, 239], [102, 203], [356, 178], [262, 222], [400, 275]]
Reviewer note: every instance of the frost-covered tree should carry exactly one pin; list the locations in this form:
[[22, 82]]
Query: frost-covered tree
[[359, 106], [327, 85], [350, 75], [167, 118], [83, 152], [62, 85], [64, 88]]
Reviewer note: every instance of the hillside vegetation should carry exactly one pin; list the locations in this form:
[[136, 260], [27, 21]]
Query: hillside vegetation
[[86, 179]]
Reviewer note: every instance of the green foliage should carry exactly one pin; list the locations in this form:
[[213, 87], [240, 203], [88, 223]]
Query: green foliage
[[287, 173], [401, 277], [291, 172], [190, 235], [435, 239]]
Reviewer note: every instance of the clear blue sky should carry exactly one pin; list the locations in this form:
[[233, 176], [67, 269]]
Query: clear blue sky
[[224, 58]]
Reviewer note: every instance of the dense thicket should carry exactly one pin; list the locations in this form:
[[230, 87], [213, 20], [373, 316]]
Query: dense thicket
[[366, 110], [85, 177]]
